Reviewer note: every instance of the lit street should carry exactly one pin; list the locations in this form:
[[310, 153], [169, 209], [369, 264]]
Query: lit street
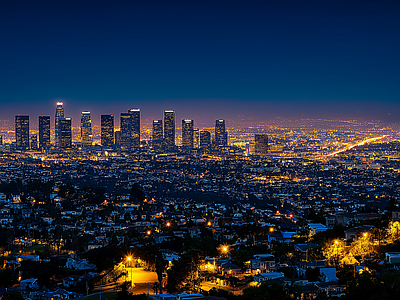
[[138, 275]]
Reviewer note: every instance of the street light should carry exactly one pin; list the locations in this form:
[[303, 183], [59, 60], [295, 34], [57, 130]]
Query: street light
[[129, 259], [337, 252]]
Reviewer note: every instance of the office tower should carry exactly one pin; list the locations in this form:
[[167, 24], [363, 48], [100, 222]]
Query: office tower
[[34, 142], [59, 114], [1, 140], [44, 132], [157, 140], [107, 130], [125, 138], [130, 129], [65, 137], [169, 129], [261, 144], [22, 132], [117, 137], [205, 140], [196, 138], [135, 127], [86, 129], [187, 134], [221, 136]]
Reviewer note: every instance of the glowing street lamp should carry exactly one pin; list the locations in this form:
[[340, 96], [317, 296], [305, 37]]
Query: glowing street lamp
[[129, 259]]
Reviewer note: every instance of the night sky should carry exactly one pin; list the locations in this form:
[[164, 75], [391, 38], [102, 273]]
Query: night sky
[[205, 59]]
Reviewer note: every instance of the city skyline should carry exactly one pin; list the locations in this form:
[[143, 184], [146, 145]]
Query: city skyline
[[256, 59]]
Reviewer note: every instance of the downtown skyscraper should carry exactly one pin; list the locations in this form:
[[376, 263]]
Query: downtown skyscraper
[[135, 131], [205, 140], [221, 136], [261, 144], [157, 138], [169, 129], [187, 134], [130, 130], [107, 130], [65, 133], [59, 115], [22, 132], [44, 132], [86, 129]]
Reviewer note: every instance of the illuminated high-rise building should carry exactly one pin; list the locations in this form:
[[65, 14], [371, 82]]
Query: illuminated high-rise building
[[1, 140], [44, 132], [221, 136], [205, 140], [117, 137], [65, 130], [107, 130], [196, 138], [125, 138], [59, 115], [34, 142], [22, 132], [130, 129], [261, 144], [169, 129], [187, 134], [135, 127], [157, 139], [86, 129]]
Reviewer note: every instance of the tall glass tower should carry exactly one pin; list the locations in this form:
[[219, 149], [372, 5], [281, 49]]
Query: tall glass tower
[[86, 129], [261, 144], [135, 127], [187, 134], [221, 136], [44, 132], [65, 137], [59, 115], [107, 130], [22, 132], [125, 137], [157, 139], [169, 129], [205, 140]]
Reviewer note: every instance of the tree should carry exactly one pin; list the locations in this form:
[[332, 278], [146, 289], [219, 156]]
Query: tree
[[362, 247], [66, 191], [137, 193], [7, 277], [184, 274], [334, 251], [161, 266]]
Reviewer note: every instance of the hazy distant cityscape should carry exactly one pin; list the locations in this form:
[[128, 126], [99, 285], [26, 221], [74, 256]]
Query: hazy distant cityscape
[[171, 209]]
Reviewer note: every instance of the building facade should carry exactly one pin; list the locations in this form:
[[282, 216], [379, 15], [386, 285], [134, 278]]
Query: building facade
[[261, 144], [59, 115], [157, 138], [135, 128], [221, 136], [169, 129], [65, 130], [22, 132], [44, 132], [86, 129], [187, 134], [107, 130], [205, 140]]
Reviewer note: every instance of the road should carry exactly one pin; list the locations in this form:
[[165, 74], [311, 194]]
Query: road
[[138, 275]]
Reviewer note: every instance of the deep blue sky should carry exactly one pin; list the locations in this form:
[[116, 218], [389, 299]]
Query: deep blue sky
[[205, 59]]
